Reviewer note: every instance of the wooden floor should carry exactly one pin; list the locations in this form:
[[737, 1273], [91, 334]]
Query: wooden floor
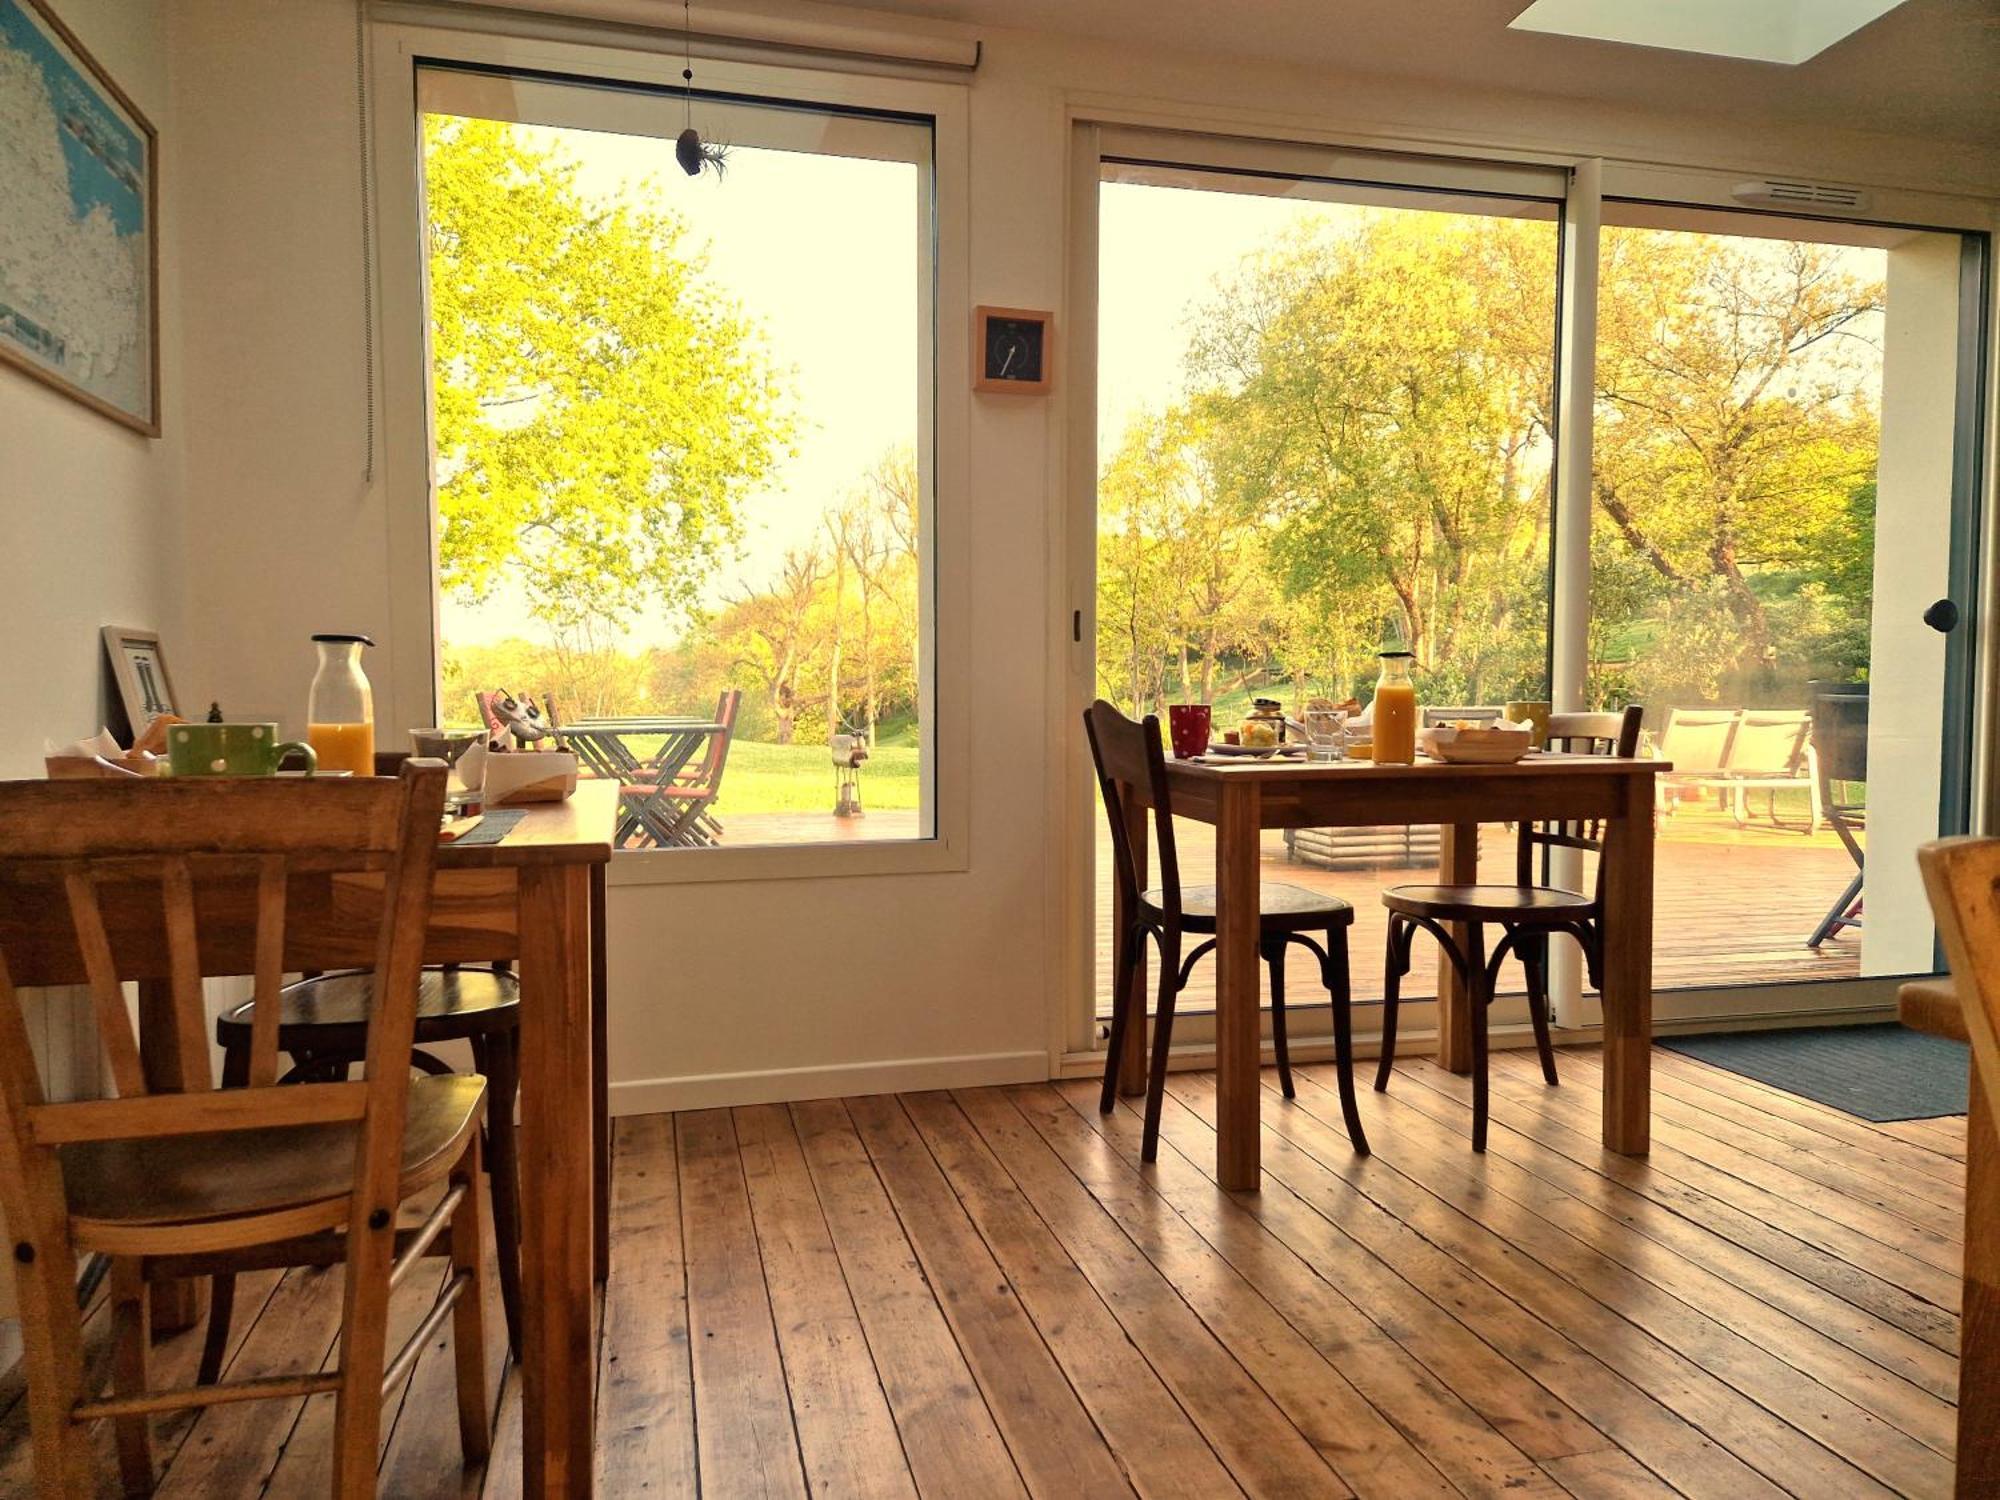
[[981, 1294]]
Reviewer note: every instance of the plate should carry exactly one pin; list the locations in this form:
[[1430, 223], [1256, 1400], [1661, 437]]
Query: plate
[[1223, 750], [1481, 752]]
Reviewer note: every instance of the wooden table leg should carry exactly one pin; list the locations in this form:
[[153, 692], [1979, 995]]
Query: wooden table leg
[[557, 1361], [1628, 971], [175, 1305], [1132, 1065], [1979, 1335], [1239, 1048], [1458, 864], [600, 1080]]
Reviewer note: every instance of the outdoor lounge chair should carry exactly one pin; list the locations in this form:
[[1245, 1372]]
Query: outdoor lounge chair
[[1772, 752], [1698, 741], [1840, 752]]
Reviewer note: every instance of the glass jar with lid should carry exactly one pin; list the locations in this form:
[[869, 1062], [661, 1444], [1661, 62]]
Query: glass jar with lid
[[340, 709]]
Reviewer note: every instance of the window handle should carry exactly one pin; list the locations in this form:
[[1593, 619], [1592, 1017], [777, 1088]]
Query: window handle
[[1942, 617]]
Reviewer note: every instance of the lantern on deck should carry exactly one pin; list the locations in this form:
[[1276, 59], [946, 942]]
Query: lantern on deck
[[849, 751]]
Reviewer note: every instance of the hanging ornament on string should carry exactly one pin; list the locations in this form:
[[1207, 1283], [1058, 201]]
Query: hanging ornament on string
[[690, 150]]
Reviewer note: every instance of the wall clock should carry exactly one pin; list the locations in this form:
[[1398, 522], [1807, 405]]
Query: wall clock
[[1012, 349]]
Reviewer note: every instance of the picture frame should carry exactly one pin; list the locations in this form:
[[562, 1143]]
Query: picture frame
[[79, 212], [139, 668], [1013, 350]]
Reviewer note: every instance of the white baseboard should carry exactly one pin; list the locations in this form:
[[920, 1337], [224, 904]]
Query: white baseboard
[[648, 1096]]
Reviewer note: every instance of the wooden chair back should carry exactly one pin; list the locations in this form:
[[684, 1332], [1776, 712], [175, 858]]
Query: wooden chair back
[[179, 881], [1128, 756], [1616, 734], [1840, 738], [707, 773]]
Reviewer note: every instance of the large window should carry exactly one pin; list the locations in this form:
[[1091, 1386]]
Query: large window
[[682, 447]]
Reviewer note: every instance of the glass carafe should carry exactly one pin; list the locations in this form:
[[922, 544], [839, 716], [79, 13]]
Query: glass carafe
[[1395, 712], [340, 713]]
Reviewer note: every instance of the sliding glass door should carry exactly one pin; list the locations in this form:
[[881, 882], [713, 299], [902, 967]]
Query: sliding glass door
[[1778, 509], [1326, 421], [1325, 415]]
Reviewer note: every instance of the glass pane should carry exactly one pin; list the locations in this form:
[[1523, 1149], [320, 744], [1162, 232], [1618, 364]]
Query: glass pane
[[682, 470], [1773, 514], [1324, 416]]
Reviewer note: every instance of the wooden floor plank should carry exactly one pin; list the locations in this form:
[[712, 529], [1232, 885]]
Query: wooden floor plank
[[1850, 1187], [1467, 1231], [645, 1411], [1635, 1418], [1811, 1309], [986, 1293], [846, 1435], [745, 1440], [1558, 1129], [1159, 1443], [1054, 1441], [949, 1435], [1878, 1422], [1168, 1289], [1442, 1428], [1807, 1123], [1799, 1208]]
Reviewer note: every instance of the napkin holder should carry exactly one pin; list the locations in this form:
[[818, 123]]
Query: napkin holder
[[519, 778]]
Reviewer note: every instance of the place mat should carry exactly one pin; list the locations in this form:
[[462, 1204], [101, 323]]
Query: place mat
[[491, 829], [1880, 1073]]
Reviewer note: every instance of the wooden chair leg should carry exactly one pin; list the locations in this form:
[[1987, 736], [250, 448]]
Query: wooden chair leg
[[1478, 1003], [1274, 957], [468, 1314], [1123, 1004], [364, 1357], [1395, 962], [215, 1343], [132, 1332], [1163, 1036], [1534, 952], [1339, 989], [502, 1067]]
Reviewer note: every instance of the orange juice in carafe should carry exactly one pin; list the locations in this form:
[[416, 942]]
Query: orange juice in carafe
[[343, 747], [1395, 712], [340, 713]]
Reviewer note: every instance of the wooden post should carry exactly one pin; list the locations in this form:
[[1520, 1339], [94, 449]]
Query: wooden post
[[556, 1181], [1238, 1040], [1628, 968], [600, 1082], [1458, 864]]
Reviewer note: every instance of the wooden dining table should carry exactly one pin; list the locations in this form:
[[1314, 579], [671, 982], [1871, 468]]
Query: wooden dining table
[[1241, 798], [536, 898]]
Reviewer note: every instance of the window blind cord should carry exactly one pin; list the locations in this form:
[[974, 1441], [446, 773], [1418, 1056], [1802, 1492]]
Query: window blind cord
[[367, 241]]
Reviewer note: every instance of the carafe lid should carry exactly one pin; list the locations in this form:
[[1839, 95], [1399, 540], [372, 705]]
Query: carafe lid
[[339, 635]]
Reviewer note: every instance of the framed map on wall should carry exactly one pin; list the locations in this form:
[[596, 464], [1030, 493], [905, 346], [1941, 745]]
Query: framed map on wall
[[79, 243]]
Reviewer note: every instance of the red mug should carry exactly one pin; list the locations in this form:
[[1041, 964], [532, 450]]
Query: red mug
[[1189, 724]]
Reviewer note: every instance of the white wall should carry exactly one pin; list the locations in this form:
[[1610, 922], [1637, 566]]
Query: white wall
[[745, 991], [89, 510]]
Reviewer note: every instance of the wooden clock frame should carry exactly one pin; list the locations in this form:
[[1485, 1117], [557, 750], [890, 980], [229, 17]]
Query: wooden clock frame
[[981, 381]]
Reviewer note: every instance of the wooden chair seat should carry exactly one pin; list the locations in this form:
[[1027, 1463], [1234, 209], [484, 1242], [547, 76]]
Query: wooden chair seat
[[1280, 908], [1520, 905], [330, 1013], [1932, 1006], [119, 1190]]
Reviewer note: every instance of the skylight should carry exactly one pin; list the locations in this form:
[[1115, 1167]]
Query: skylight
[[1779, 31]]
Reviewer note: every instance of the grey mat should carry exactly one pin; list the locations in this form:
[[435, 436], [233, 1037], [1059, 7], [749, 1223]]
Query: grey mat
[[1879, 1073]]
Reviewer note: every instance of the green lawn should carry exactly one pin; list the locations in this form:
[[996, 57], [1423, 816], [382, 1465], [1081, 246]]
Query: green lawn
[[761, 778]]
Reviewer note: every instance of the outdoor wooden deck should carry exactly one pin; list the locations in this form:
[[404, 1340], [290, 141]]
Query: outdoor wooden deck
[[982, 1294]]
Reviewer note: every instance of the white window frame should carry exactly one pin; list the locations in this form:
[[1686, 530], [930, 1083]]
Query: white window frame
[[410, 660]]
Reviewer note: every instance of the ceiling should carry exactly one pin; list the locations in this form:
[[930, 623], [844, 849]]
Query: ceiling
[[1927, 68]]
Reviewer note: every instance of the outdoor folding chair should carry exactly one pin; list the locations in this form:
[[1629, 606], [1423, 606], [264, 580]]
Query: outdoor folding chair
[[1840, 746]]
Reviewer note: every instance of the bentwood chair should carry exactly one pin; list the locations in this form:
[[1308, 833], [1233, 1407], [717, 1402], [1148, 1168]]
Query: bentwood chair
[[101, 883], [1526, 912], [1128, 757]]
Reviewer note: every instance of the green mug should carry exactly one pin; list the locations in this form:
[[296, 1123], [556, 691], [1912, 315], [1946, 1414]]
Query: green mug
[[231, 750]]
